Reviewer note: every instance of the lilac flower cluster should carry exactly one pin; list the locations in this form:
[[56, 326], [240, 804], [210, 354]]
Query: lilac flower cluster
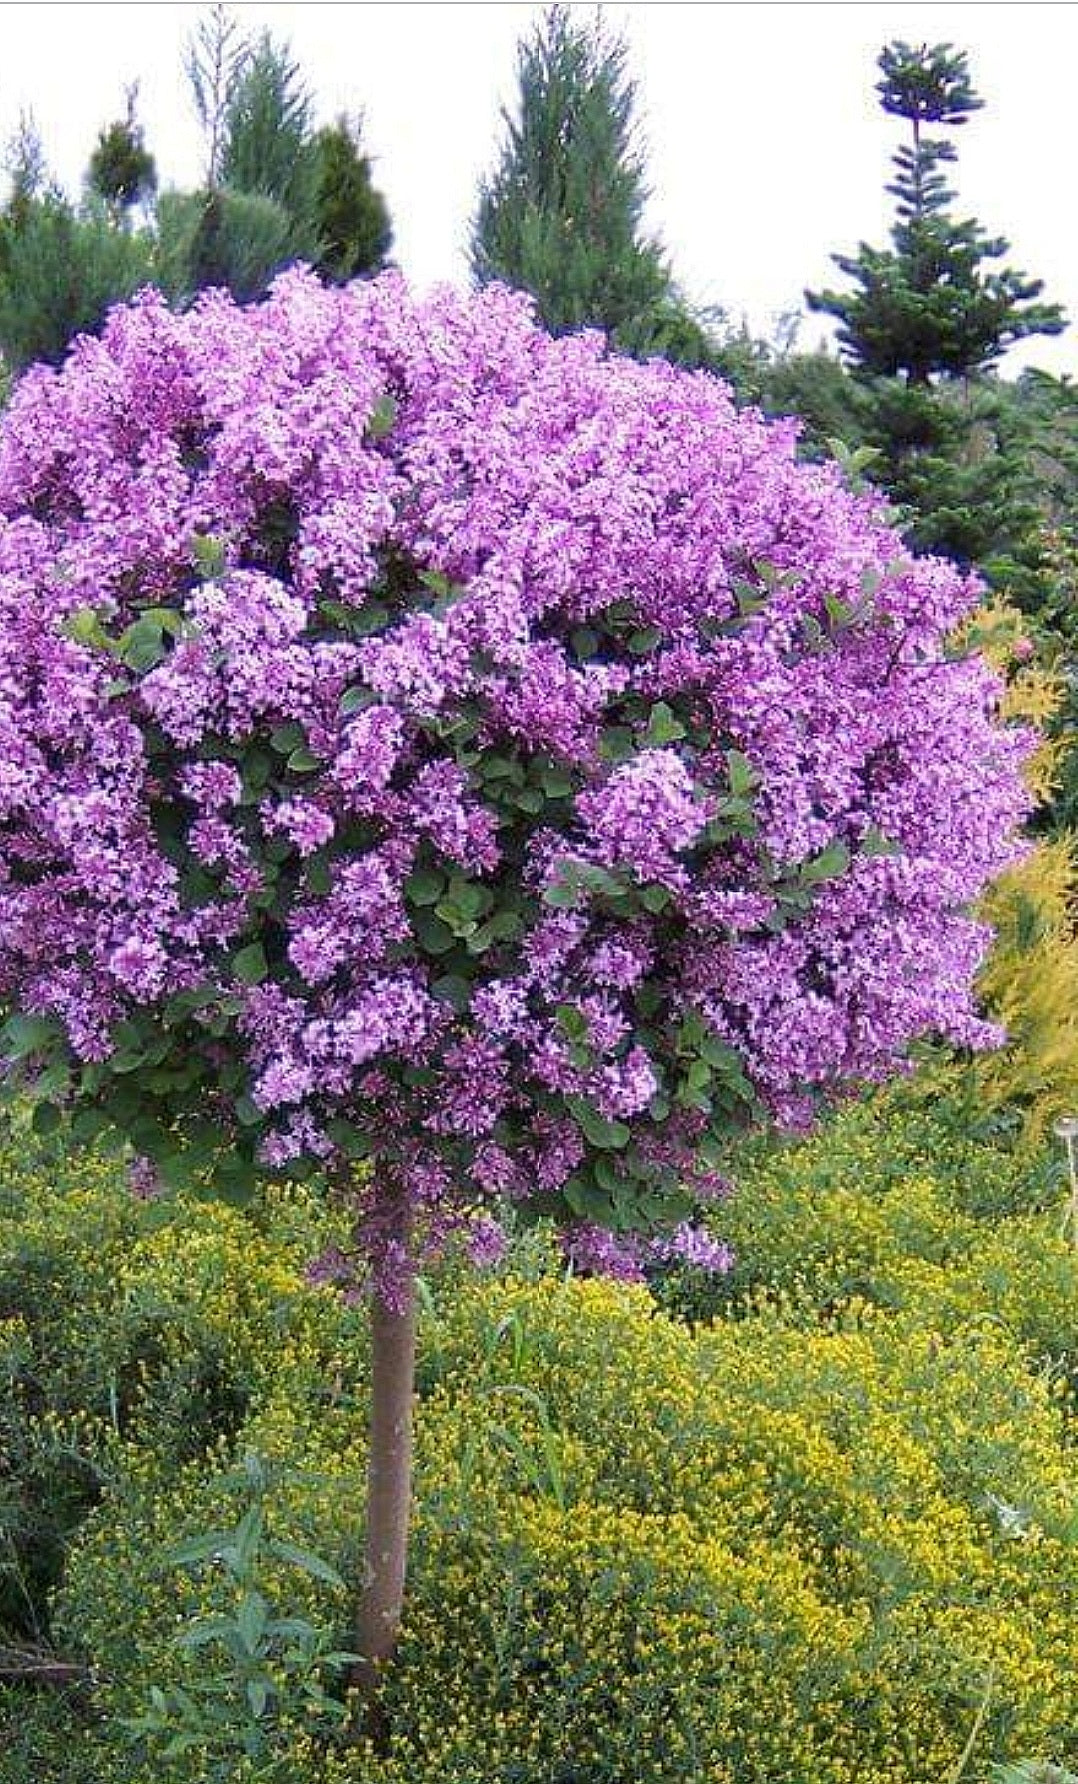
[[425, 739]]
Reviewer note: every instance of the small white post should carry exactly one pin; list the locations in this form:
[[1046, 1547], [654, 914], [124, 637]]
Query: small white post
[[1067, 1130]]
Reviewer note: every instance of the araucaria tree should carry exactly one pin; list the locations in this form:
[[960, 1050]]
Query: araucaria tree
[[469, 768], [562, 214], [931, 305], [924, 323]]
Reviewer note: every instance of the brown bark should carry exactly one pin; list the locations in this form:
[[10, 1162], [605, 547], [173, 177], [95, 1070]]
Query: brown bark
[[389, 1494]]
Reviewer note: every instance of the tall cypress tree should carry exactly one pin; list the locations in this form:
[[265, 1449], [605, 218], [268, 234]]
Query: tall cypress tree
[[267, 143], [278, 189], [561, 216]]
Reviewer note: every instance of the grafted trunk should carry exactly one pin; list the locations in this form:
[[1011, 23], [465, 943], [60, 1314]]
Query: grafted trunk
[[389, 1492]]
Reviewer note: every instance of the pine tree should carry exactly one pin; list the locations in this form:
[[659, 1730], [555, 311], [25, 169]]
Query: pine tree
[[61, 270], [930, 305], [62, 266], [122, 171], [352, 216], [278, 189], [26, 167], [562, 214], [221, 237]]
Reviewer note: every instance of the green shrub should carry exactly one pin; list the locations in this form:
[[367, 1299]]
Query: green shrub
[[134, 1340]]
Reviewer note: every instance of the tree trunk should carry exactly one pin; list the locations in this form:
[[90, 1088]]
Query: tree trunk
[[389, 1494]]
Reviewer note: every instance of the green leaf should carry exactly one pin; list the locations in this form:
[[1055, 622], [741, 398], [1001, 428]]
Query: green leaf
[[742, 775], [609, 1177], [424, 886], [433, 935], [617, 743], [654, 898], [562, 895], [46, 1119], [874, 842], [572, 1022], [663, 727], [257, 769], [608, 1136], [598, 879], [87, 1124], [26, 1033], [54, 1081], [828, 865], [555, 782], [585, 641], [586, 1200], [85, 627], [209, 556], [248, 1535], [453, 989], [749, 598], [355, 699], [303, 761], [198, 1548], [318, 875], [166, 618], [287, 738], [142, 645], [251, 1620], [382, 417], [370, 618], [250, 964], [839, 612], [307, 1563], [349, 1139], [258, 1696]]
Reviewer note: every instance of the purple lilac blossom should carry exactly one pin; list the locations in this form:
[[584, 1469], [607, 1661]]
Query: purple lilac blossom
[[286, 767]]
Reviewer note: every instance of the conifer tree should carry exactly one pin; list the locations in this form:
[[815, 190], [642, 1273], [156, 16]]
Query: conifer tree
[[278, 189], [62, 266], [931, 305], [561, 216], [353, 219], [257, 210], [923, 327], [122, 171], [214, 59], [267, 144]]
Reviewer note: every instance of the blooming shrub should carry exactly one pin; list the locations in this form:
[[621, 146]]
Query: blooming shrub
[[759, 1553], [799, 1545], [425, 738]]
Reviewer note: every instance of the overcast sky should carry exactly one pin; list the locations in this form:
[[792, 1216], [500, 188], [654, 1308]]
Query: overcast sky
[[767, 147]]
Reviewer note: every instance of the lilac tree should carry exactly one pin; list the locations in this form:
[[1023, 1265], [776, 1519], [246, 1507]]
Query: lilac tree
[[428, 743]]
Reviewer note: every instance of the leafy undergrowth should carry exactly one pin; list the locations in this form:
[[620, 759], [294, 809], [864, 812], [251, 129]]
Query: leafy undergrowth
[[811, 1525]]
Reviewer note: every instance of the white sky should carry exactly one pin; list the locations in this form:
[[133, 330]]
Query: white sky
[[767, 147]]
